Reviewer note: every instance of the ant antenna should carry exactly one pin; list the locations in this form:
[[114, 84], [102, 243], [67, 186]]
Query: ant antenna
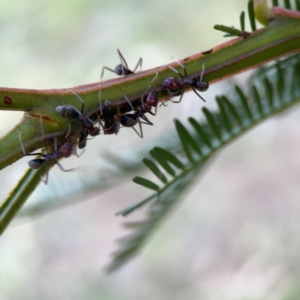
[[80, 99]]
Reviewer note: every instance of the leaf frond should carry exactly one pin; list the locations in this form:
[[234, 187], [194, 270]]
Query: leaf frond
[[245, 108]]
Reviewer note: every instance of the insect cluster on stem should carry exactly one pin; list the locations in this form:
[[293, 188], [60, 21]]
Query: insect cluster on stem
[[111, 116]]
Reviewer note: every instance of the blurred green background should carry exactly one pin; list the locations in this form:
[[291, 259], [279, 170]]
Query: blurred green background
[[236, 235]]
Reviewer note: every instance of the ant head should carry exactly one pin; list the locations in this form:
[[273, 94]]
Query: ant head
[[36, 163], [107, 105], [201, 85], [122, 70]]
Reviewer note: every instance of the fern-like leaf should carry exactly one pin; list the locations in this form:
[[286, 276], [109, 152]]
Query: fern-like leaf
[[263, 99]]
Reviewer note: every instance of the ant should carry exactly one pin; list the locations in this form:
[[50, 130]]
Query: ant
[[175, 86], [64, 150], [151, 99], [111, 120], [130, 120], [69, 111], [122, 68]]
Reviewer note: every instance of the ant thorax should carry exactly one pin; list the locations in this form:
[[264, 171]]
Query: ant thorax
[[172, 85]]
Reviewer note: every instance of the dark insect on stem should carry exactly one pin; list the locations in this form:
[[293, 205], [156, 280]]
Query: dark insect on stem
[[111, 121], [151, 99], [110, 125], [57, 153], [176, 86], [122, 69], [69, 111], [131, 119]]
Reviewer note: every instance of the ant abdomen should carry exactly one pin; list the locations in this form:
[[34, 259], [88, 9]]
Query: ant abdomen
[[36, 163], [67, 111], [152, 99], [129, 120]]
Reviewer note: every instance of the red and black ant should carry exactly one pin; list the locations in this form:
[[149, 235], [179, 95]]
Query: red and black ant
[[122, 68], [69, 111], [131, 119], [64, 150], [111, 120], [175, 86], [151, 99]]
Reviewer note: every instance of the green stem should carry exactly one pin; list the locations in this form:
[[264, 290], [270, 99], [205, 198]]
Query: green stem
[[279, 38]]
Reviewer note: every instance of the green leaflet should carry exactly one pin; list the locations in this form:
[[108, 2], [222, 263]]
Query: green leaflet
[[244, 110]]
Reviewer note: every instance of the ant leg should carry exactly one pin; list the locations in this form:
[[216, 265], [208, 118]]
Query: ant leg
[[69, 130], [181, 95], [23, 148], [155, 110], [198, 94], [43, 131], [21, 143], [163, 103], [145, 119], [151, 83], [139, 63], [128, 100], [46, 147], [80, 99], [156, 74], [47, 176], [202, 72], [142, 100], [63, 169], [123, 62], [101, 125], [81, 153], [108, 69], [141, 130], [176, 72], [184, 68], [130, 121], [100, 98]]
